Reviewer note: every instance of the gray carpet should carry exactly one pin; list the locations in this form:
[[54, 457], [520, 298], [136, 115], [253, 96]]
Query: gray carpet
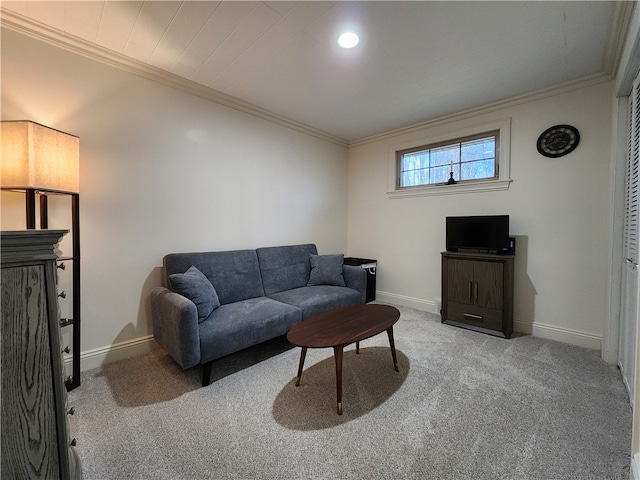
[[464, 406]]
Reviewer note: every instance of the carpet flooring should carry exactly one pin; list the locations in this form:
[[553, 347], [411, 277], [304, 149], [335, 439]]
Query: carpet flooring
[[464, 406]]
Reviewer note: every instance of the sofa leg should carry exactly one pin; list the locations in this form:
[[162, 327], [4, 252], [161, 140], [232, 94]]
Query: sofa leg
[[206, 374]]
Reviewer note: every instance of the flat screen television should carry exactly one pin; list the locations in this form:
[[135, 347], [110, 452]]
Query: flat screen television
[[484, 233]]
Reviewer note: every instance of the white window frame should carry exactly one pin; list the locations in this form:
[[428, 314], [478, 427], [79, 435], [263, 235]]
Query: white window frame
[[504, 161]]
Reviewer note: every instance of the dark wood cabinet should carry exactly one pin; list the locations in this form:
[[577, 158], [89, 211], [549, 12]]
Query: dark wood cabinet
[[477, 292], [35, 433]]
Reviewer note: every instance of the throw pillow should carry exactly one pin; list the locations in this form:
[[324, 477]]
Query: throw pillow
[[194, 285], [326, 270]]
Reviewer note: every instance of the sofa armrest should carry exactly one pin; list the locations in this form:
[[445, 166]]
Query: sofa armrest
[[175, 326], [356, 278]]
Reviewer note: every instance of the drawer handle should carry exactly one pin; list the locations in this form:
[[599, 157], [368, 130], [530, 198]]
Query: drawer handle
[[471, 315], [66, 321]]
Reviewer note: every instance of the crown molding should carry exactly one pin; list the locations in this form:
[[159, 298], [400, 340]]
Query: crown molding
[[622, 14], [21, 24], [554, 90]]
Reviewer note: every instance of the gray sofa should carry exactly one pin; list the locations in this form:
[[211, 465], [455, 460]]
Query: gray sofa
[[216, 303]]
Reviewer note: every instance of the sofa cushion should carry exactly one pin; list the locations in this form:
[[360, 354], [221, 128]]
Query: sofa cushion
[[318, 299], [286, 267], [242, 324], [194, 285], [326, 270], [235, 274]]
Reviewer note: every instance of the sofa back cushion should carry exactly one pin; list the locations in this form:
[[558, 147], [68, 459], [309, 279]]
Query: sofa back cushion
[[286, 267], [234, 274]]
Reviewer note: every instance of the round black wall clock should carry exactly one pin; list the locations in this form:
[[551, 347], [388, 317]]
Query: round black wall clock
[[558, 141]]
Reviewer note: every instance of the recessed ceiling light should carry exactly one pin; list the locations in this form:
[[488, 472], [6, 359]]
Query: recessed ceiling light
[[348, 40]]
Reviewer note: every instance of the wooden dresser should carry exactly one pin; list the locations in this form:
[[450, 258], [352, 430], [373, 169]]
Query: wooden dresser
[[35, 433]]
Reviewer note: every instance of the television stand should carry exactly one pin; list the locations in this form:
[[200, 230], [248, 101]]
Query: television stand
[[477, 292]]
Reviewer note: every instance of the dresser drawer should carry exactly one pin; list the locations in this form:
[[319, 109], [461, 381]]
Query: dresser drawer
[[475, 315]]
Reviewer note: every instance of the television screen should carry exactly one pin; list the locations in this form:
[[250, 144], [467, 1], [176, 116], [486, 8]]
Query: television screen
[[485, 233]]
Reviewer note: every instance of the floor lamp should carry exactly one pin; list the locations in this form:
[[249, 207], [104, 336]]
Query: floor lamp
[[40, 162]]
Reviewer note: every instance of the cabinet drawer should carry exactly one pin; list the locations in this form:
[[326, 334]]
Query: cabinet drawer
[[475, 315]]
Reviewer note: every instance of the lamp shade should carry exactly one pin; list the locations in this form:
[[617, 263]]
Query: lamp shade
[[35, 156]]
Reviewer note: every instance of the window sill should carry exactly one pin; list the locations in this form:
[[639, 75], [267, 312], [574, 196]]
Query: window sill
[[432, 190]]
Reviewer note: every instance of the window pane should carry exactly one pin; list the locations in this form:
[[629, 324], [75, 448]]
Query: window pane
[[445, 155], [440, 174], [484, 148], [416, 177], [479, 169], [415, 169]]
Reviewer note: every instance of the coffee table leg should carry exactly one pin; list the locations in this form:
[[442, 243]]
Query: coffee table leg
[[303, 354], [357, 347], [393, 348], [337, 353]]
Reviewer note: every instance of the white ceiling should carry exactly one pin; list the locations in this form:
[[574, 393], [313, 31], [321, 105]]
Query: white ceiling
[[416, 60]]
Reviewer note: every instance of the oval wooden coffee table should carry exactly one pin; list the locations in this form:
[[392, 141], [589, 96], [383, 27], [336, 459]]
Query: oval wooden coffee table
[[341, 327]]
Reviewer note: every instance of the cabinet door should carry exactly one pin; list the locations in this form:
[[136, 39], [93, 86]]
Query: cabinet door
[[488, 278], [460, 280]]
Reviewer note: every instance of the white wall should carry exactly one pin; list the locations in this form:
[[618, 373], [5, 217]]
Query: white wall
[[559, 211], [164, 171]]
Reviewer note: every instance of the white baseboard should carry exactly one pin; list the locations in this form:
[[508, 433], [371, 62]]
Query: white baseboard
[[404, 301], [541, 330], [635, 467], [132, 348], [564, 335], [111, 353]]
